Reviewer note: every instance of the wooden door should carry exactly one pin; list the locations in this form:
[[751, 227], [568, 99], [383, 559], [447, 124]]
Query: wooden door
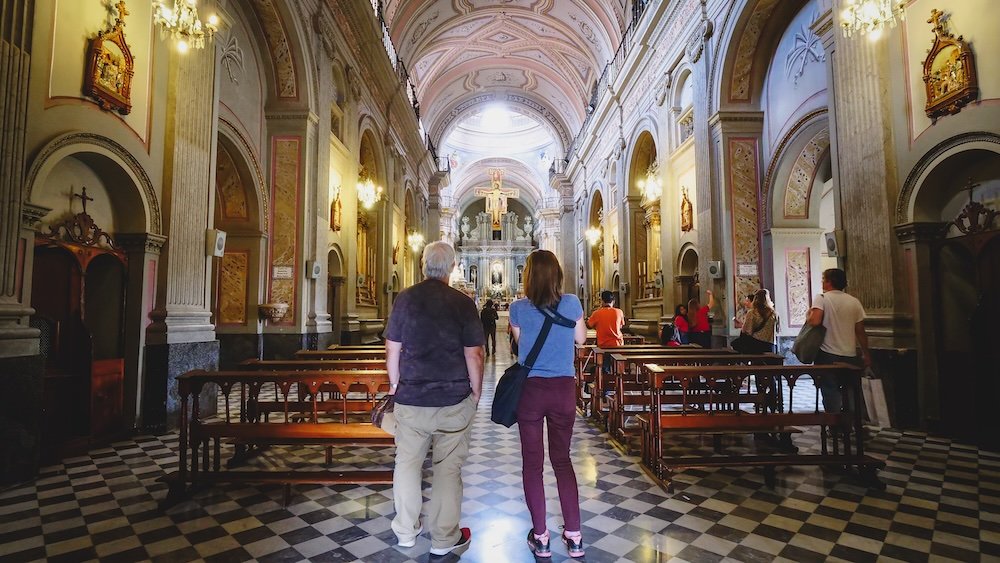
[[104, 304], [56, 298], [986, 343]]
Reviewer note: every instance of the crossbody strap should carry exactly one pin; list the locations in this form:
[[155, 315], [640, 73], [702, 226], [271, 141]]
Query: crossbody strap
[[536, 349]]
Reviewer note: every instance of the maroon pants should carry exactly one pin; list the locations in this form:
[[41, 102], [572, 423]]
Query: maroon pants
[[553, 401]]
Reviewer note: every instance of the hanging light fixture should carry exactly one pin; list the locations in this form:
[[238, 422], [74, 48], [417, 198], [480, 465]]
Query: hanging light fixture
[[368, 193], [870, 17], [593, 235], [182, 24], [650, 187], [415, 240]]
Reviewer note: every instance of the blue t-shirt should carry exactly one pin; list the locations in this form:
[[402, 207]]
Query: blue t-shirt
[[556, 357]]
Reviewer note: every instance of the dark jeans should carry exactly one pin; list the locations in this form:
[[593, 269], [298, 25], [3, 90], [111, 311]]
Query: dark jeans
[[491, 336], [551, 400], [832, 397], [703, 339]]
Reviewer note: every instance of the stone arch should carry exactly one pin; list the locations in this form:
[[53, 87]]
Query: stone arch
[[907, 204], [443, 125], [643, 153], [750, 33], [291, 78], [249, 170], [686, 282], [107, 152], [788, 184], [336, 275]]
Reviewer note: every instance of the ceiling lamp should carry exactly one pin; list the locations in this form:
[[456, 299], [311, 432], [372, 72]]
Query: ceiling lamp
[[593, 235], [869, 17], [415, 240], [368, 193], [183, 25]]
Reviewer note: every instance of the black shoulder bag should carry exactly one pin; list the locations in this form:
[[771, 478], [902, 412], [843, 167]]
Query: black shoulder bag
[[508, 392]]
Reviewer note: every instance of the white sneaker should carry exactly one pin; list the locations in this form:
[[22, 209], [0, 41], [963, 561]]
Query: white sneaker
[[412, 541]]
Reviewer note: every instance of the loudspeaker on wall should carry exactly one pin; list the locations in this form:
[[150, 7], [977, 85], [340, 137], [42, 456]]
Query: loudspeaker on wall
[[215, 243], [716, 269], [313, 269], [835, 241]]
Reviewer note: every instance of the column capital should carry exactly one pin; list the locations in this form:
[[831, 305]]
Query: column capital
[[31, 214], [141, 242]]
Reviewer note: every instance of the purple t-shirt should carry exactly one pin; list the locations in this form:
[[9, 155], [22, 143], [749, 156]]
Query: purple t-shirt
[[435, 323]]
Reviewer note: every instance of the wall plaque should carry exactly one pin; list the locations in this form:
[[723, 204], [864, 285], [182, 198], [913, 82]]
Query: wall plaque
[[282, 273], [949, 71], [110, 67]]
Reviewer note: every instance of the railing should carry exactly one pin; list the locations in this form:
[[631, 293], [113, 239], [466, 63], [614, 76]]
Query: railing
[[611, 70], [401, 72]]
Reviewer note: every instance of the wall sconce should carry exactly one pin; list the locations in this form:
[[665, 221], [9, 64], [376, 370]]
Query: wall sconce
[[593, 235], [368, 193], [415, 240], [182, 24]]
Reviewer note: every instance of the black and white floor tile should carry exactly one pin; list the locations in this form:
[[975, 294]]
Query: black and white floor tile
[[942, 502]]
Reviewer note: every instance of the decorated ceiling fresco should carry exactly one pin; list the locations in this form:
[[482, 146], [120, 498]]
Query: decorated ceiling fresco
[[541, 55]]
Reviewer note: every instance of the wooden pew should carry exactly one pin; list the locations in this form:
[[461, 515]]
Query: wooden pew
[[373, 354], [711, 399], [356, 347], [588, 360], [299, 365], [632, 389], [255, 428], [604, 383]]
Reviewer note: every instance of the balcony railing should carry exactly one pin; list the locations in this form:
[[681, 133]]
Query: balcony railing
[[401, 72], [611, 70]]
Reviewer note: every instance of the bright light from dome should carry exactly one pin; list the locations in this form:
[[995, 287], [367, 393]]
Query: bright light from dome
[[496, 119]]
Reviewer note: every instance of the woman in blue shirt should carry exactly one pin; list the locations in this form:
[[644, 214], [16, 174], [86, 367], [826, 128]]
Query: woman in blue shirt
[[549, 396]]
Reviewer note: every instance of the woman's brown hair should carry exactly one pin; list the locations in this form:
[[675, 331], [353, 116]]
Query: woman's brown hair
[[543, 276]]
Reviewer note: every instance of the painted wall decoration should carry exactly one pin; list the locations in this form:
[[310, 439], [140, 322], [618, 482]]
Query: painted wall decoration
[[233, 288], [284, 224], [281, 53], [110, 67], [802, 176], [949, 71], [233, 197], [744, 187], [798, 285], [739, 89]]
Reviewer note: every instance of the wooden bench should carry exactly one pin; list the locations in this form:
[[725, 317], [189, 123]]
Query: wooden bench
[[356, 347], [710, 399], [375, 354], [632, 389], [604, 382], [302, 418]]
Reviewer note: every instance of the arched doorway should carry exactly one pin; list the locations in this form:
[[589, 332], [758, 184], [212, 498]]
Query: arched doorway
[[368, 232], [954, 244], [597, 249], [644, 221], [78, 293], [336, 291], [686, 284]]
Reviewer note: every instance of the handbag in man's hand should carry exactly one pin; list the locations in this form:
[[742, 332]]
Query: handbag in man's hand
[[382, 414]]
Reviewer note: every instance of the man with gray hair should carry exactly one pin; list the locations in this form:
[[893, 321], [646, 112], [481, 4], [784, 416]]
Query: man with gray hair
[[434, 355]]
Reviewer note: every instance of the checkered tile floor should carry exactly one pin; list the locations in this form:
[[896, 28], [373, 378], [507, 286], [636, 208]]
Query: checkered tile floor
[[942, 503]]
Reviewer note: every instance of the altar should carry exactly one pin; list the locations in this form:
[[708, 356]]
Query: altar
[[493, 246]]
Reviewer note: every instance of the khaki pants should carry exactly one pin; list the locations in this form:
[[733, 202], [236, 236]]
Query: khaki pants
[[449, 430]]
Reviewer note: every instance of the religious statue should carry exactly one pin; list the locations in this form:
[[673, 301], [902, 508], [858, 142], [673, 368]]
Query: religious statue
[[528, 226], [614, 249], [395, 253], [461, 269], [473, 275], [496, 196], [465, 227], [687, 212], [496, 274], [336, 214]]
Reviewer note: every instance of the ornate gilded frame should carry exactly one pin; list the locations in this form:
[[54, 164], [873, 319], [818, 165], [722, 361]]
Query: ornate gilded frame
[[110, 67], [949, 72]]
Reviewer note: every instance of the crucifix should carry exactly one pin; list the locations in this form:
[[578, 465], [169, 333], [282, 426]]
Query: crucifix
[[83, 197], [496, 196], [971, 186]]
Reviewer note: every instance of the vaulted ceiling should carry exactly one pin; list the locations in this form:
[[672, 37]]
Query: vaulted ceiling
[[537, 56]]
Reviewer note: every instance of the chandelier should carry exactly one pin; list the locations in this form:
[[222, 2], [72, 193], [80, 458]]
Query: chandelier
[[368, 193], [415, 240], [593, 235], [183, 25], [869, 17], [650, 187]]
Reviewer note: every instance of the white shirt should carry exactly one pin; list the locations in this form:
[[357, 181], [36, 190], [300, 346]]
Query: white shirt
[[841, 312]]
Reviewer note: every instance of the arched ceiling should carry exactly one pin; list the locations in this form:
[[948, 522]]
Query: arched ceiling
[[542, 54]]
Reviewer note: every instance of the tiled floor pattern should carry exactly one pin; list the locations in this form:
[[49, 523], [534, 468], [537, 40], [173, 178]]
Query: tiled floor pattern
[[942, 503]]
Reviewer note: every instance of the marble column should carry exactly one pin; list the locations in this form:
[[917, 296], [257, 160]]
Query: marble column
[[181, 336], [20, 363]]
